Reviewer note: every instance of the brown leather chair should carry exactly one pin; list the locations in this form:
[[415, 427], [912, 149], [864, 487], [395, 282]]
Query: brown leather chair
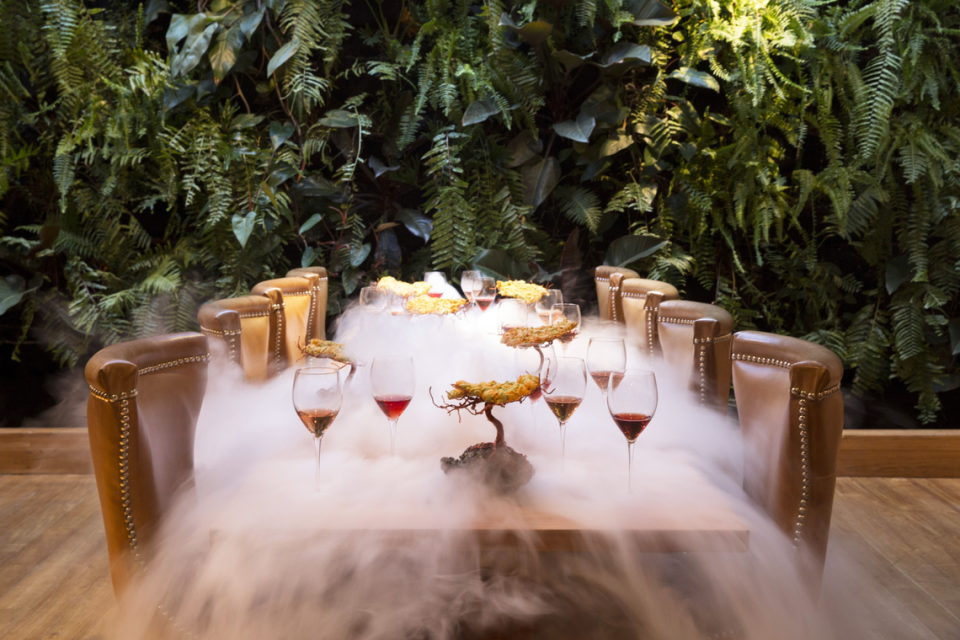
[[145, 397], [292, 300], [318, 279], [248, 330], [640, 300], [695, 337], [791, 416], [608, 289]]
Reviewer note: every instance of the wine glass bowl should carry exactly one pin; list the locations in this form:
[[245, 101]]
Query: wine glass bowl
[[563, 389], [317, 398], [485, 292], [632, 401], [533, 361], [392, 382], [605, 356], [467, 279], [511, 313], [438, 283], [544, 306], [373, 299]]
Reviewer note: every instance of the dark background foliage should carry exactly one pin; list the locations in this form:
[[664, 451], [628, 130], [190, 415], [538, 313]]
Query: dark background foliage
[[795, 162]]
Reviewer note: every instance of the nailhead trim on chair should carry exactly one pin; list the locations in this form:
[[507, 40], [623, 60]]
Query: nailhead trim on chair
[[229, 336], [613, 302], [254, 314], [805, 471], [757, 359], [279, 309], [703, 371], [100, 395], [638, 296], [808, 395], [675, 320], [716, 339], [174, 363], [219, 334], [599, 279], [313, 304], [650, 320], [296, 293]]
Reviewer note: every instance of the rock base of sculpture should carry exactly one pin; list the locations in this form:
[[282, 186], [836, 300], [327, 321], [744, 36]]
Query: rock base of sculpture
[[500, 468]]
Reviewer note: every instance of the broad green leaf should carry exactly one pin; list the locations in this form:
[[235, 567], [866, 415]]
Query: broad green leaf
[[954, 326], [309, 256], [625, 52], [195, 47], [594, 169], [173, 96], [523, 147], [359, 254], [267, 189], [154, 9], [12, 290], [533, 32], [223, 55], [619, 142], [389, 253], [243, 226], [539, 180], [339, 119], [578, 130], [282, 55], [696, 78], [628, 249], [280, 133], [177, 31], [311, 222], [416, 223], [276, 5], [350, 280], [650, 13], [385, 226], [898, 272], [570, 60], [250, 22], [379, 168], [479, 110], [245, 121], [494, 263]]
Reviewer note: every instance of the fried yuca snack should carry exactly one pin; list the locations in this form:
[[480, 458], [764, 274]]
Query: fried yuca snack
[[326, 349], [496, 392], [402, 289], [423, 305], [533, 336], [526, 291]]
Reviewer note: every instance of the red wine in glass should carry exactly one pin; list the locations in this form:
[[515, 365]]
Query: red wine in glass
[[317, 421], [563, 406], [435, 294], [632, 424], [484, 302], [393, 406]]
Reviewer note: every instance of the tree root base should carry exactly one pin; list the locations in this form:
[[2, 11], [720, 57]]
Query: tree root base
[[500, 468]]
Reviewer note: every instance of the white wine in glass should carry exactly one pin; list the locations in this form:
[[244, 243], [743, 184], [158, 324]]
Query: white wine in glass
[[564, 386], [317, 399]]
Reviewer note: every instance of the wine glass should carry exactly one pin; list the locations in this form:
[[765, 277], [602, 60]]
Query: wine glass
[[437, 282], [398, 304], [392, 381], [533, 361], [569, 312], [632, 401], [563, 389], [605, 356], [484, 292], [545, 305], [467, 278], [372, 299], [317, 398], [512, 313]]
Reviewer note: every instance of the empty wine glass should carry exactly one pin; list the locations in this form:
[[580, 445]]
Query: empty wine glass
[[632, 401], [437, 282], [485, 292], [569, 312], [372, 299], [317, 398], [467, 279], [533, 361], [512, 313], [545, 304], [393, 383], [563, 389], [605, 356], [398, 304]]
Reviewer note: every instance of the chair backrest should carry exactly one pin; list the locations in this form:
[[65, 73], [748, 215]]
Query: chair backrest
[[640, 300], [248, 330], [695, 338], [145, 397], [791, 417], [605, 300], [292, 302], [318, 279]]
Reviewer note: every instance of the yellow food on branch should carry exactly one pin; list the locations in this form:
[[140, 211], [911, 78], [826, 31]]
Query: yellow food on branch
[[533, 336], [326, 349], [496, 392], [423, 305], [526, 291], [402, 289]]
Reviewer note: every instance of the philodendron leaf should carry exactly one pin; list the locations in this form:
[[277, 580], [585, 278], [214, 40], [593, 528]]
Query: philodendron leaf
[[154, 9], [250, 22], [480, 110], [618, 143], [570, 60], [280, 133], [358, 254], [650, 13], [282, 55], [243, 226], [416, 223], [539, 180], [378, 167], [12, 290], [339, 119], [223, 55], [523, 147], [245, 120], [628, 249], [494, 263], [533, 32], [177, 31], [195, 46], [625, 52], [898, 272], [311, 222], [578, 130], [309, 255], [696, 78]]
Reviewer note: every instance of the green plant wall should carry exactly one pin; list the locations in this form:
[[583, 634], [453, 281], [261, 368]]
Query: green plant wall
[[793, 161]]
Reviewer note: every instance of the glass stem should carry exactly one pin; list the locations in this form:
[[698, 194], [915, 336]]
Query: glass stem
[[563, 441], [316, 446], [393, 437], [630, 466]]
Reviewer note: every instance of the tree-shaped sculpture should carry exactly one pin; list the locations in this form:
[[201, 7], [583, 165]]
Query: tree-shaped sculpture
[[327, 350], [494, 463], [537, 337]]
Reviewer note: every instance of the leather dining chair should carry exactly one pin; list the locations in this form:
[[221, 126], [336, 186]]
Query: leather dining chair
[[248, 330], [791, 416], [640, 299], [695, 338], [145, 397], [318, 280], [292, 302], [608, 280]]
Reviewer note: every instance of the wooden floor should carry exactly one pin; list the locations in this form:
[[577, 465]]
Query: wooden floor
[[904, 534]]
